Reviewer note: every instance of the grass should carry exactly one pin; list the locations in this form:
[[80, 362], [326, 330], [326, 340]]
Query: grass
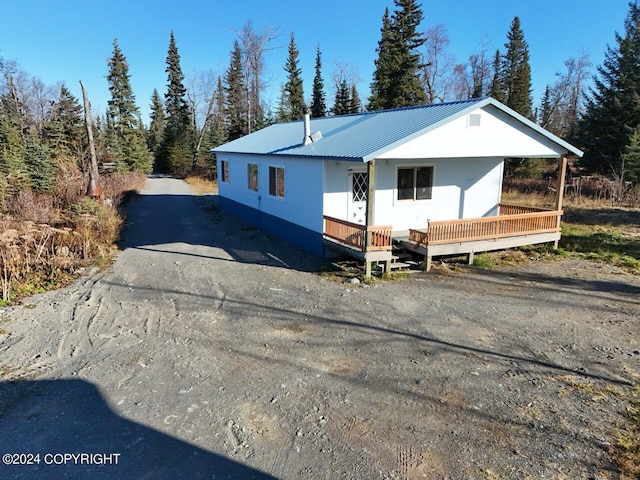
[[202, 186], [46, 238]]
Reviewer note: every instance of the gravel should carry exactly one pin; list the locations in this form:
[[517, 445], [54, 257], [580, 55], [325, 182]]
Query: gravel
[[210, 350]]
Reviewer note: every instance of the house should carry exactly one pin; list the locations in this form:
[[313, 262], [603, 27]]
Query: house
[[429, 176]]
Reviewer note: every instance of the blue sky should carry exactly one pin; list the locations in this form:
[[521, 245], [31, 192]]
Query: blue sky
[[71, 40]]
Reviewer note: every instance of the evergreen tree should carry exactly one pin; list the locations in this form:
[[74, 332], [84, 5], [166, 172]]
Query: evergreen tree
[[64, 131], [383, 64], [496, 89], [218, 130], [41, 168], [342, 104], [613, 107], [318, 103], [236, 96], [355, 104], [12, 155], [292, 101], [156, 127], [516, 72], [176, 149], [126, 136], [631, 158], [396, 79]]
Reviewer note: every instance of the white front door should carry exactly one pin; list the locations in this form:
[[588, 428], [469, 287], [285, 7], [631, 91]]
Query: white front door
[[358, 197]]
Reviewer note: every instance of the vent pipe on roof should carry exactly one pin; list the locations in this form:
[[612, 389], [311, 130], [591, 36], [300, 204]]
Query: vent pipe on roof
[[307, 126]]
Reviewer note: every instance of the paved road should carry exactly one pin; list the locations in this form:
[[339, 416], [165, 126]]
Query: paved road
[[209, 350]]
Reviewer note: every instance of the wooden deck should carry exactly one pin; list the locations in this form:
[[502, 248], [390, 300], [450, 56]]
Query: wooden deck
[[371, 244], [514, 226]]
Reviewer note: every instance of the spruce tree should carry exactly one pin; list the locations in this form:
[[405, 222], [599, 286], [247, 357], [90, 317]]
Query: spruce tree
[[496, 89], [156, 126], [342, 104], [613, 106], [217, 127], [396, 79], [176, 150], [64, 132], [631, 158], [126, 137], [383, 64], [516, 72], [292, 101], [355, 104], [236, 96], [318, 103]]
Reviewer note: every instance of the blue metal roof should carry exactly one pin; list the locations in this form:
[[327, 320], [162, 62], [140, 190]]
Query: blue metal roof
[[362, 137]]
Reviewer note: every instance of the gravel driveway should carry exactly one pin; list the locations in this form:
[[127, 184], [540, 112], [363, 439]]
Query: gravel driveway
[[209, 350]]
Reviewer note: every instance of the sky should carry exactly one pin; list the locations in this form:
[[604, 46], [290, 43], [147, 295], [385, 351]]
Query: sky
[[71, 40]]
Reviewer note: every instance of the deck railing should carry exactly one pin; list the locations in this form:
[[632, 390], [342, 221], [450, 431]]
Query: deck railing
[[355, 235], [486, 228], [506, 209]]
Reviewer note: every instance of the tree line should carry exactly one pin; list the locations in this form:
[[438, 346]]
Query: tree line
[[41, 127]]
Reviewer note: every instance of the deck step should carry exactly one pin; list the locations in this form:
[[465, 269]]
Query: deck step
[[398, 265], [402, 256]]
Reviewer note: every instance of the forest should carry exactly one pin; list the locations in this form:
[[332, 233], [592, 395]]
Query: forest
[[45, 155]]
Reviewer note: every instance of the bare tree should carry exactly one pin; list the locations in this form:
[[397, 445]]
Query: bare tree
[[561, 106], [254, 45], [437, 65], [481, 71]]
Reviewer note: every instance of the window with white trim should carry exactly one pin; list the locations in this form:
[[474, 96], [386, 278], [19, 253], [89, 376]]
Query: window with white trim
[[224, 174], [252, 176], [276, 182], [414, 183]]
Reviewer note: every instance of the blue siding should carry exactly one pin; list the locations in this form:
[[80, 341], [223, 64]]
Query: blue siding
[[301, 237]]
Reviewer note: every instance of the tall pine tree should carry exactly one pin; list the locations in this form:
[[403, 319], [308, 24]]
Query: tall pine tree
[[613, 108], [156, 127], [126, 137], [342, 103], [516, 72], [318, 102], [236, 96], [396, 79], [64, 131], [176, 149], [292, 101]]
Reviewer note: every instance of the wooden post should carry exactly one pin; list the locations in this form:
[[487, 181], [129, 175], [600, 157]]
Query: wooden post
[[371, 191], [94, 188], [562, 173]]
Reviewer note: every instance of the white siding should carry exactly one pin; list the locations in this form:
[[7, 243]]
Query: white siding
[[463, 188], [498, 135], [336, 188], [302, 202]]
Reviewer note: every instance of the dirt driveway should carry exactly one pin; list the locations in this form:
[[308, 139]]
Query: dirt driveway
[[209, 350]]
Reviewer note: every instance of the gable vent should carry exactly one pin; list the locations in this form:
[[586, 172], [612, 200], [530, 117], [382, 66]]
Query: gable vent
[[474, 120]]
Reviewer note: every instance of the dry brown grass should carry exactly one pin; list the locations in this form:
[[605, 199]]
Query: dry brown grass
[[46, 238], [202, 186]]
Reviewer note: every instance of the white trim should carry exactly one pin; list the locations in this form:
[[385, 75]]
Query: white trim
[[222, 163], [249, 189], [413, 165], [284, 172]]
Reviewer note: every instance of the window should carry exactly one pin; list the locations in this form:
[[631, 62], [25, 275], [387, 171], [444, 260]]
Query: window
[[224, 176], [276, 182], [252, 176], [415, 183], [359, 186]]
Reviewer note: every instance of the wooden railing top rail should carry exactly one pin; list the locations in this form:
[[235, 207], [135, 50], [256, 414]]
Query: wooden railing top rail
[[498, 218], [355, 235], [510, 209], [484, 228]]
